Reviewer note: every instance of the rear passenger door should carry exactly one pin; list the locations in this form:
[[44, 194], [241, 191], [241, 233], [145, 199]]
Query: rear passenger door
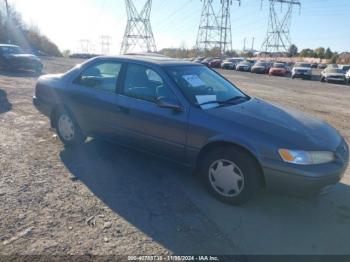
[[93, 97], [141, 122]]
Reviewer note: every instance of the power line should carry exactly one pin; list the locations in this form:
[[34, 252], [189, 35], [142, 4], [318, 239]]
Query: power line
[[138, 32], [278, 33]]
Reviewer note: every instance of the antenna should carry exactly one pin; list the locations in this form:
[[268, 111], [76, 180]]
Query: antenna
[[278, 33], [138, 32], [214, 33]]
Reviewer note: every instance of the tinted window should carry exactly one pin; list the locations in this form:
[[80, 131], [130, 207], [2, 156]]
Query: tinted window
[[103, 76], [144, 83], [7, 50], [199, 83]]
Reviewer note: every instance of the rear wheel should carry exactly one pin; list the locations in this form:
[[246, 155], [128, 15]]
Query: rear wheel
[[231, 175], [67, 128]]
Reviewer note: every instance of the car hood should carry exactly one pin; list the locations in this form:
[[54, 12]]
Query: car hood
[[302, 68], [288, 126], [258, 67]]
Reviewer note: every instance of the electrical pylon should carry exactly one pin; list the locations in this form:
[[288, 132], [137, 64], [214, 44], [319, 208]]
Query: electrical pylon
[[278, 34], [138, 32], [214, 31], [105, 44]]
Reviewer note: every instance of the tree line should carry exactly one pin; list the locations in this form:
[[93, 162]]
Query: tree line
[[13, 30]]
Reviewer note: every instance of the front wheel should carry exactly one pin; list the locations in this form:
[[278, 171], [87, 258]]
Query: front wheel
[[68, 129], [231, 175]]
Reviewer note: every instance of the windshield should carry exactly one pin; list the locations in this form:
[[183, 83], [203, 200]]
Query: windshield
[[200, 84], [335, 70], [302, 65], [278, 65], [8, 50], [260, 64]]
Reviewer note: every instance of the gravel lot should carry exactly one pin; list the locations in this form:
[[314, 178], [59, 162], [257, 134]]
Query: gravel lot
[[104, 199]]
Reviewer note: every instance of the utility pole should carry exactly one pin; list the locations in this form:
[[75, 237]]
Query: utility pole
[[244, 41], [253, 41], [278, 33], [138, 32], [214, 33], [105, 44], [8, 22], [7, 9]]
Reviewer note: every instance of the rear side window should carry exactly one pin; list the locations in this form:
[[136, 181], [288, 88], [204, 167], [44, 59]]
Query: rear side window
[[103, 76]]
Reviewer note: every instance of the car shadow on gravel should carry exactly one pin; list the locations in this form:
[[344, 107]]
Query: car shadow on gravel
[[169, 205], [5, 105], [148, 193]]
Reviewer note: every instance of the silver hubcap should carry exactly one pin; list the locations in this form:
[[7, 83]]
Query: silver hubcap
[[226, 178], [66, 127]]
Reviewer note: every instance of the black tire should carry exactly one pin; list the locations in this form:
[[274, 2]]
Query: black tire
[[78, 136], [246, 166], [323, 80]]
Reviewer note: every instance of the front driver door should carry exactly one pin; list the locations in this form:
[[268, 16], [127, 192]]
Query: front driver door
[[145, 125]]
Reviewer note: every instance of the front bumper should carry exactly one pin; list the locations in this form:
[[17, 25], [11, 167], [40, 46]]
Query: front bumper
[[335, 80], [302, 180]]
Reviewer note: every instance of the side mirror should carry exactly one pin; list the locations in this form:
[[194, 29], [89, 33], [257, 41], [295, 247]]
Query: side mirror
[[169, 103]]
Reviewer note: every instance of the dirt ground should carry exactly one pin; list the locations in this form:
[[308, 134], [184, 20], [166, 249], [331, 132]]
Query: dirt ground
[[102, 199]]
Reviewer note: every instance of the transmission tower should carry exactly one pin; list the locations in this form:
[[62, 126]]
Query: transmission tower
[[105, 44], [138, 32], [85, 45], [278, 33], [215, 28]]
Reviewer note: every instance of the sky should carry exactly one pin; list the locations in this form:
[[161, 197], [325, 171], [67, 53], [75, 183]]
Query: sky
[[175, 22]]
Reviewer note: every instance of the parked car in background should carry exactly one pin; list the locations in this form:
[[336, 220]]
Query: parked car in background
[[231, 63], [190, 114], [244, 66], [322, 66], [261, 68], [13, 58], [314, 65], [279, 69], [207, 60], [332, 66], [333, 75], [345, 68], [347, 75], [198, 59], [215, 63], [302, 70]]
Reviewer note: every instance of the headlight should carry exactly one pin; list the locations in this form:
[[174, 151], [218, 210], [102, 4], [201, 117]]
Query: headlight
[[306, 157]]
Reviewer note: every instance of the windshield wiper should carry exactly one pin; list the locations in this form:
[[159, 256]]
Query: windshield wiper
[[225, 102]]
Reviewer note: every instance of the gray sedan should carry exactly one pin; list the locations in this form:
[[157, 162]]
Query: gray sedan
[[190, 114]]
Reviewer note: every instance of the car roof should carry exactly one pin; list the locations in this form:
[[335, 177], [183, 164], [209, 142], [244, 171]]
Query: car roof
[[149, 59]]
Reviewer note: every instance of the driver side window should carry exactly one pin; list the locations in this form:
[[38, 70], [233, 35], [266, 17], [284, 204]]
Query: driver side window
[[144, 83]]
